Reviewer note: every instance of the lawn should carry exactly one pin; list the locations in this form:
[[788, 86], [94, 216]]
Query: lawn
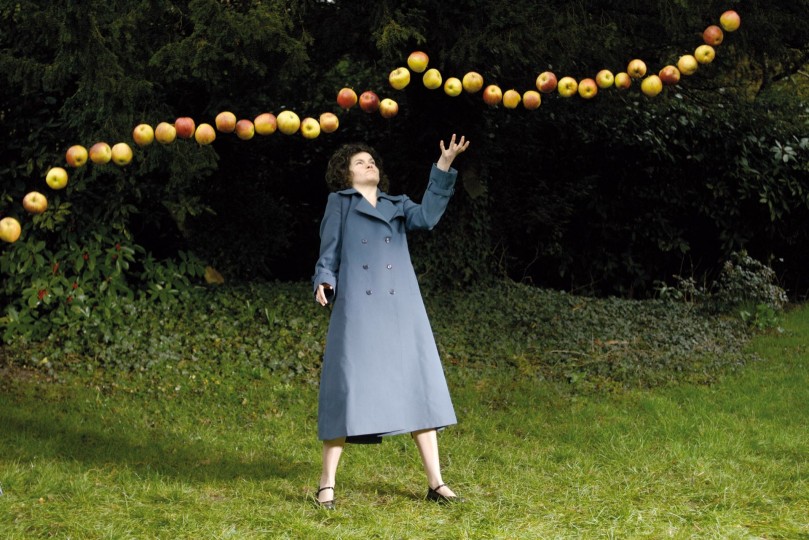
[[225, 452]]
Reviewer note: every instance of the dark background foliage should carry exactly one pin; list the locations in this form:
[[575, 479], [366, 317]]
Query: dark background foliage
[[607, 196]]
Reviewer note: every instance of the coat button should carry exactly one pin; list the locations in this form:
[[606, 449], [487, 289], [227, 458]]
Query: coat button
[[390, 266], [365, 267], [368, 292], [387, 239], [364, 240], [392, 291]]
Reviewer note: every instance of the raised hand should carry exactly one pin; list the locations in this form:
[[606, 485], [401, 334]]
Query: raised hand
[[449, 153]]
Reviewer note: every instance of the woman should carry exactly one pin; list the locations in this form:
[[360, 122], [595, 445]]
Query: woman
[[381, 371]]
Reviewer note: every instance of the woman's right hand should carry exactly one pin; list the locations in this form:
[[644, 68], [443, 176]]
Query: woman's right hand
[[320, 296]]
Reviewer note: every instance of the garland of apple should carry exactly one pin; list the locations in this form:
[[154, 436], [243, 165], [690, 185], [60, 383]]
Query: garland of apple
[[289, 123]]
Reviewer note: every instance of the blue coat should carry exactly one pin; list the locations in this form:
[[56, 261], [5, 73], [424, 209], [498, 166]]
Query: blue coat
[[381, 372]]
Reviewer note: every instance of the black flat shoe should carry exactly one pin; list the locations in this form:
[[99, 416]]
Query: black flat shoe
[[433, 495], [328, 505]]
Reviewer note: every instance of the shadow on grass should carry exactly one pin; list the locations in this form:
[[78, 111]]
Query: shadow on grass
[[27, 433]]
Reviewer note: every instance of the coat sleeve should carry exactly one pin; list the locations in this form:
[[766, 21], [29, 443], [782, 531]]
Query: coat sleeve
[[439, 189], [331, 230]]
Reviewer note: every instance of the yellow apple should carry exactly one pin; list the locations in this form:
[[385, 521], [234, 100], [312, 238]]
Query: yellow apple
[[225, 122], [605, 78], [205, 134], [9, 230], [705, 54], [730, 21], [651, 85], [310, 128], [76, 155], [432, 79], [453, 86], [143, 135], [121, 154], [588, 88], [165, 133], [399, 78], [567, 86], [35, 202], [511, 99], [417, 61], [56, 178], [388, 108], [265, 123], [329, 122], [687, 64], [472, 82], [288, 122], [100, 153], [636, 68], [531, 99]]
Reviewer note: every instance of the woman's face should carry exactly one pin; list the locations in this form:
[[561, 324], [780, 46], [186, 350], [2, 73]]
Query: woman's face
[[363, 170]]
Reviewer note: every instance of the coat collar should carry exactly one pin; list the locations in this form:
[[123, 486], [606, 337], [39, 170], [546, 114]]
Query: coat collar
[[388, 207]]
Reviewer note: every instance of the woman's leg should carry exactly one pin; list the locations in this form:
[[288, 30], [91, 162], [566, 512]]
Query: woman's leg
[[427, 443], [332, 450]]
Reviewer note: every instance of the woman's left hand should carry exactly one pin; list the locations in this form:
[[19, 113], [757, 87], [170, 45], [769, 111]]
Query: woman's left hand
[[449, 153]]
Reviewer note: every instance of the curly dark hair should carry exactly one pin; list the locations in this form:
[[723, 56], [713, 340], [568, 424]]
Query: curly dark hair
[[338, 171]]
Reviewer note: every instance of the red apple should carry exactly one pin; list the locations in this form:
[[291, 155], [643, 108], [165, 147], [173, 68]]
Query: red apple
[[388, 108], [432, 79], [185, 127], [310, 128], [492, 95], [399, 78], [9, 230], [346, 98], [225, 122], [511, 99], [546, 82], [730, 21], [472, 82], [531, 99], [588, 88], [623, 80], [669, 75], [687, 64], [245, 129], [567, 86], [288, 122], [165, 133], [121, 154], [605, 78], [143, 135], [100, 153], [417, 61], [453, 86], [76, 155], [35, 202], [56, 178], [636, 68], [329, 122], [705, 54], [713, 35], [265, 123], [205, 134], [369, 101], [651, 85]]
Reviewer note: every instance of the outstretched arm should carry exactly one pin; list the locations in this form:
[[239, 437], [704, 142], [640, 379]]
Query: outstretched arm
[[448, 154]]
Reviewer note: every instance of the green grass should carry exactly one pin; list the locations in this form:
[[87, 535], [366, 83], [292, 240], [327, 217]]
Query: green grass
[[232, 453]]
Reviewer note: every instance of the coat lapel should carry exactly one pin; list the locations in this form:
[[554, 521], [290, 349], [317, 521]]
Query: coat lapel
[[388, 207]]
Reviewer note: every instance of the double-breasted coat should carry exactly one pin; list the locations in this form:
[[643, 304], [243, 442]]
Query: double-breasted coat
[[381, 371]]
